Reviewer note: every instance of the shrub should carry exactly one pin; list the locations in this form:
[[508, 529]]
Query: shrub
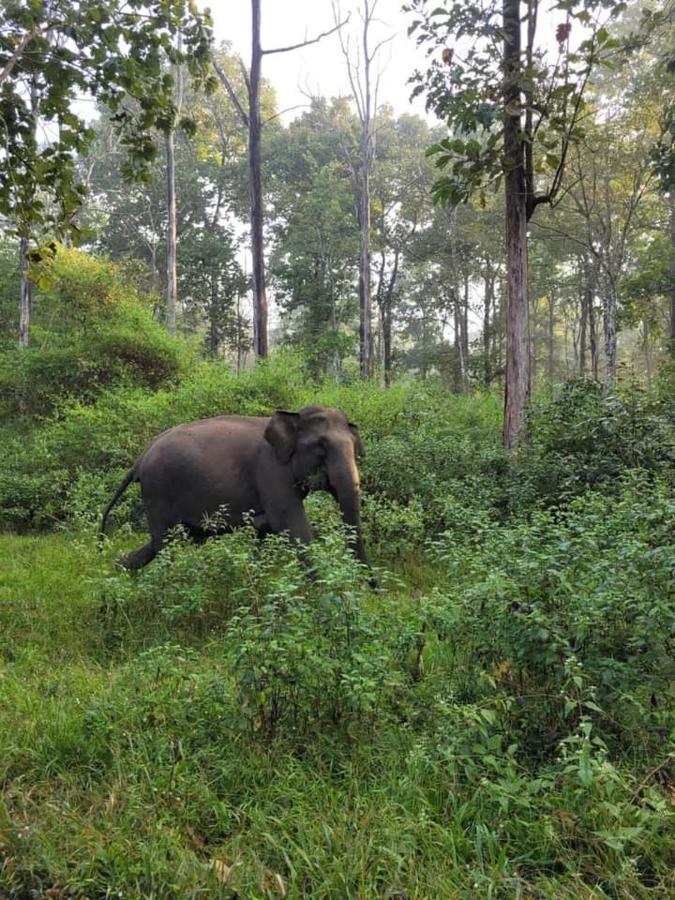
[[586, 435], [572, 613], [306, 652], [92, 331]]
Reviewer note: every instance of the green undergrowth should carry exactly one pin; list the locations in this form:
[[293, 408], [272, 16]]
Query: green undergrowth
[[496, 721]]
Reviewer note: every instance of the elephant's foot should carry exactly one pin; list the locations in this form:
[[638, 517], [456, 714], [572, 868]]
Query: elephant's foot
[[138, 558]]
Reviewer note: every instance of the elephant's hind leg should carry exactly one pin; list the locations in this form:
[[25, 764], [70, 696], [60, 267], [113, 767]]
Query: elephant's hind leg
[[140, 557]]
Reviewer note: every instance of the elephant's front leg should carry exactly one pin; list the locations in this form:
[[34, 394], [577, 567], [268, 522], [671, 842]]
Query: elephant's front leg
[[289, 517]]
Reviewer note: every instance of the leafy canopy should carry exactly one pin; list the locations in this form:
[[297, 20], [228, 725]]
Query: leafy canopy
[[465, 86], [54, 52]]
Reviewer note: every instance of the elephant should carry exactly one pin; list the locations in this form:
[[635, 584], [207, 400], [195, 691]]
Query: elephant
[[247, 466]]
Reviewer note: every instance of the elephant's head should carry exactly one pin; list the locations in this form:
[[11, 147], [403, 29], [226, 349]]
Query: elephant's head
[[320, 439]]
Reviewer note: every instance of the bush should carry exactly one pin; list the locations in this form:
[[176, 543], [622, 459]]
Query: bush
[[586, 435], [92, 331], [572, 614], [305, 652]]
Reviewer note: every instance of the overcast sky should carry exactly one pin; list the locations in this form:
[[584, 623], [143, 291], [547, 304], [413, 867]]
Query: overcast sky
[[320, 69]]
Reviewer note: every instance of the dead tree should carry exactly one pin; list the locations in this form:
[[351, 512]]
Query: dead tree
[[250, 117]]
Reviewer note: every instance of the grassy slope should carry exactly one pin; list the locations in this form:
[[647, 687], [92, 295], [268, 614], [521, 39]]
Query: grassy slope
[[120, 779]]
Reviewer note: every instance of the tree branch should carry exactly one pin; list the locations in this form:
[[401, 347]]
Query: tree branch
[[306, 43], [23, 43], [225, 81]]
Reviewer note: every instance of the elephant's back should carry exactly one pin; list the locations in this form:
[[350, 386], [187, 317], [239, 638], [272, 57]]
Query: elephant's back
[[217, 430], [195, 468], [205, 444]]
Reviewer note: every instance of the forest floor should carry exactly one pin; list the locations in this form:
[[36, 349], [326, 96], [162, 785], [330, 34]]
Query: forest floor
[[121, 777]]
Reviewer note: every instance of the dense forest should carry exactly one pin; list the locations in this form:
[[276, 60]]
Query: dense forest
[[480, 275]]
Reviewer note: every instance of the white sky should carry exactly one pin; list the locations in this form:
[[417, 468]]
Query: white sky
[[320, 68]]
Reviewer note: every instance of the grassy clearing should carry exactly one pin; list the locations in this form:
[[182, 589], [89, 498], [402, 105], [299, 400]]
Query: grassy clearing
[[128, 771]]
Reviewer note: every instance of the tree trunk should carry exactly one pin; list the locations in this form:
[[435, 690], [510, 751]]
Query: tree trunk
[[646, 346], [213, 314], [609, 329], [584, 303], [487, 301], [517, 388], [171, 269], [240, 336], [458, 367], [386, 318], [672, 270], [550, 335], [255, 190], [593, 337], [364, 257], [26, 286], [26, 295]]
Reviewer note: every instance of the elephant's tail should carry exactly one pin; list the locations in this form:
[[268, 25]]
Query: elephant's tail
[[128, 478]]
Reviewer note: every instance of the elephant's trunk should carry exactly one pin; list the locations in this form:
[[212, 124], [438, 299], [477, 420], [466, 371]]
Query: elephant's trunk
[[343, 476]]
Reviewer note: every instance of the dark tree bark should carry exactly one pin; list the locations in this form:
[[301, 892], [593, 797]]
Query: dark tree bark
[[487, 304], [517, 387], [465, 334], [365, 98], [255, 189], [26, 295], [458, 367], [171, 268], [593, 337], [386, 319], [609, 302], [672, 271], [26, 286], [172, 226], [252, 122], [550, 335], [583, 332]]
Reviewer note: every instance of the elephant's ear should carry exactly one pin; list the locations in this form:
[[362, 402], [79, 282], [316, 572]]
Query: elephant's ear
[[357, 439], [282, 433]]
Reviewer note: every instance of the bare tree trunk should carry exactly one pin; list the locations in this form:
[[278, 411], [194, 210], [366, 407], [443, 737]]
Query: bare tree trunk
[[213, 313], [171, 249], [551, 308], [26, 295], [386, 319], [171, 269], [672, 270], [517, 389], [609, 329], [593, 335], [584, 302], [255, 189], [240, 336], [646, 346], [26, 286], [460, 362], [364, 209], [364, 277], [365, 99], [465, 335], [487, 302], [251, 120]]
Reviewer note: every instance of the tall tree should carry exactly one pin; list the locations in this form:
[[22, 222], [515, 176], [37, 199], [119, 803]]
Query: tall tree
[[133, 220], [250, 116], [53, 51], [513, 113], [401, 209], [364, 89], [171, 262]]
